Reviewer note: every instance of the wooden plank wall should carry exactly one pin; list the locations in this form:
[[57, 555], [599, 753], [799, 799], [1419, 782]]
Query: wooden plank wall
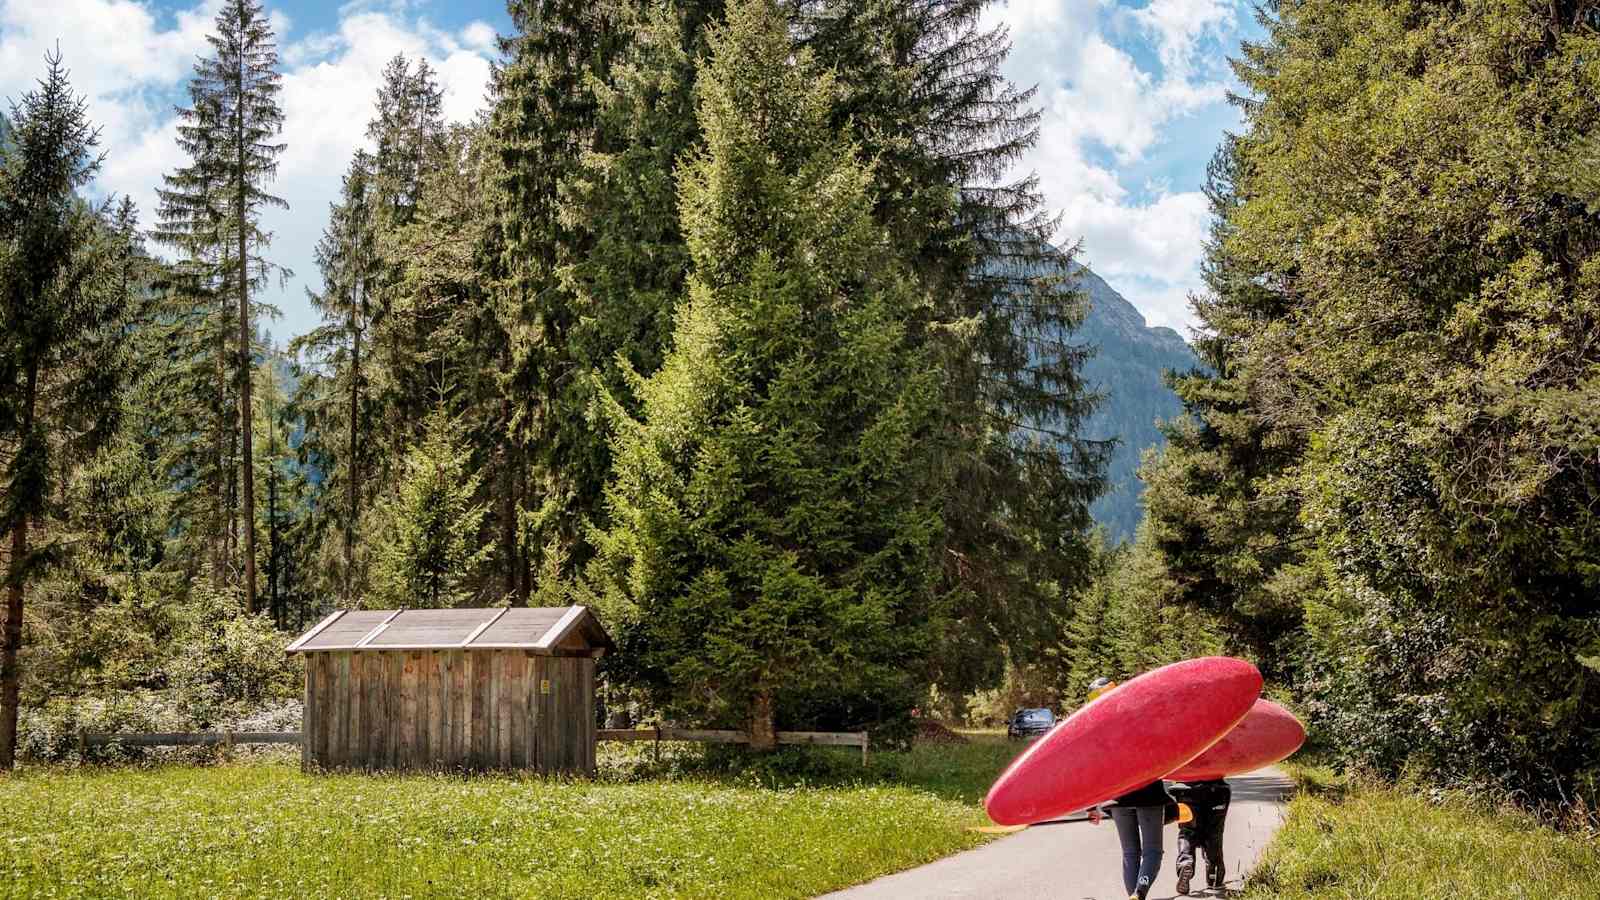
[[449, 709]]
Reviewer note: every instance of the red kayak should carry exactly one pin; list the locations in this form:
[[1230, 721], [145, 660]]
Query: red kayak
[[1267, 734], [1125, 739]]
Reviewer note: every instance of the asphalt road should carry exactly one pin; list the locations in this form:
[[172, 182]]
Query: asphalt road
[[1075, 859]]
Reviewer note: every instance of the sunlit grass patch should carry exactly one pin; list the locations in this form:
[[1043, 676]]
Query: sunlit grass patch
[[1372, 842], [263, 829]]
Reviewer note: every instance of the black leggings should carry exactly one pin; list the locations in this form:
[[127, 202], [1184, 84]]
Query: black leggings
[[1209, 804]]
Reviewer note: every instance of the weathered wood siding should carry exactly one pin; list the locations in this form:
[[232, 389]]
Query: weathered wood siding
[[449, 709]]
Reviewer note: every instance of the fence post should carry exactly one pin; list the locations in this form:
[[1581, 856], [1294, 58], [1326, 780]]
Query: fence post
[[864, 742], [658, 744], [83, 745]]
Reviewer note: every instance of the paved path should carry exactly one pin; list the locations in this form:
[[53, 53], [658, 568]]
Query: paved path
[[1074, 859]]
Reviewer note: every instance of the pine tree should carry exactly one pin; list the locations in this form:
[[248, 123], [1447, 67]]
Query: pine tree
[[192, 221], [425, 534], [771, 532], [542, 123], [1085, 651], [234, 118], [408, 132], [53, 306], [925, 97], [347, 256], [373, 359]]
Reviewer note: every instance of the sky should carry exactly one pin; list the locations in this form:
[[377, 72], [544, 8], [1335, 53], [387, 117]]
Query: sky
[[1132, 92]]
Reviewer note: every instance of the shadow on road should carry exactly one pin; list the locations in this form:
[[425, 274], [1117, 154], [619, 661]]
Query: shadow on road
[[1261, 788]]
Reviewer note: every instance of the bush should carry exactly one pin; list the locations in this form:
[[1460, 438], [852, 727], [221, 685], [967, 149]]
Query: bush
[[50, 732], [232, 667]]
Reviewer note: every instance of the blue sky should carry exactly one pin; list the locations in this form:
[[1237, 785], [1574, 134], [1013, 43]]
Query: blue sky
[[1132, 95]]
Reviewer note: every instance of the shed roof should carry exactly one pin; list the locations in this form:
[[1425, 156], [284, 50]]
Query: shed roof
[[545, 628]]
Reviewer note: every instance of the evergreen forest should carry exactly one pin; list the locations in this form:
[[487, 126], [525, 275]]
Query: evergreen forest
[[734, 321]]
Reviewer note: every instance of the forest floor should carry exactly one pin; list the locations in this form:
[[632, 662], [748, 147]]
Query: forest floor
[[1347, 839], [801, 826]]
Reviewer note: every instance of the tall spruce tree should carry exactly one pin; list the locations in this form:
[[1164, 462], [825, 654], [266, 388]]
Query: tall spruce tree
[[408, 133], [191, 219], [772, 527], [543, 122], [54, 305], [347, 256], [1220, 509], [233, 122], [370, 384], [925, 97]]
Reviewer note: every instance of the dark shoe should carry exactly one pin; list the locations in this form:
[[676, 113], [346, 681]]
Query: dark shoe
[[1185, 872]]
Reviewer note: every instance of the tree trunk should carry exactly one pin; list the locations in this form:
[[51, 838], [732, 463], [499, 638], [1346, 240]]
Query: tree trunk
[[245, 418], [274, 607], [521, 558], [12, 645], [354, 473], [763, 727], [222, 477], [508, 505]]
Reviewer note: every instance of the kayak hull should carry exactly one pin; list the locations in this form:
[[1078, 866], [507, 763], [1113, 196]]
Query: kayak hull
[[1267, 734], [1125, 739]]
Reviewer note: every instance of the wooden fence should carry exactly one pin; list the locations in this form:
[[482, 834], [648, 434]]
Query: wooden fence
[[87, 739], [823, 738]]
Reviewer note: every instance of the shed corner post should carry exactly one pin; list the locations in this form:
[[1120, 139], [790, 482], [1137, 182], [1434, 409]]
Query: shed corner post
[[305, 718]]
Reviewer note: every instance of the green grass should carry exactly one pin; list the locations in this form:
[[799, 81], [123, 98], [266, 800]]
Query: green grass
[[1367, 841], [262, 829]]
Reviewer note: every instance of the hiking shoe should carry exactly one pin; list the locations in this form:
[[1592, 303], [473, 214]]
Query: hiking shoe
[[1185, 872]]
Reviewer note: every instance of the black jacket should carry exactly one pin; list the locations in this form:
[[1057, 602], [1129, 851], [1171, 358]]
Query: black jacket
[[1152, 794], [1203, 793]]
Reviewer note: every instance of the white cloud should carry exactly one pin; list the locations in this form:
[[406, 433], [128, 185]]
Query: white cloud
[[1179, 24], [133, 66], [1099, 103]]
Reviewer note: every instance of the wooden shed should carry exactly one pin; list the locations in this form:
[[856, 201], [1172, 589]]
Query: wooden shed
[[452, 688]]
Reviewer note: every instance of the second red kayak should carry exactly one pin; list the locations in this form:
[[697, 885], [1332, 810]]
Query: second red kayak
[[1125, 739], [1267, 734]]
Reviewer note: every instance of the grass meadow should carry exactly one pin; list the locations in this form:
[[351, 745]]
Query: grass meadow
[[808, 822], [1356, 840]]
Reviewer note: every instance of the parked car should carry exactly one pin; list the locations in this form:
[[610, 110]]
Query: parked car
[[1030, 723]]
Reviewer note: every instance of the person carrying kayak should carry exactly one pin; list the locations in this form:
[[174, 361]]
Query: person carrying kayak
[[1139, 816], [1208, 801]]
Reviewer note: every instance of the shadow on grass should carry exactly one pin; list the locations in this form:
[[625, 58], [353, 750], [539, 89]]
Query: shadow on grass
[[956, 772]]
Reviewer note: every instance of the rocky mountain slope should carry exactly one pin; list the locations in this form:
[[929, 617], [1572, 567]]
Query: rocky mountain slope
[[1128, 371]]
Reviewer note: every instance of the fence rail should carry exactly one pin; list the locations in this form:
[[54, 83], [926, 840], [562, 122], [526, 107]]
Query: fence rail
[[87, 739], [657, 735]]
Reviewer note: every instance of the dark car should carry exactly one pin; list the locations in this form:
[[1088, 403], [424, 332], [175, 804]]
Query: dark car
[[1030, 723]]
